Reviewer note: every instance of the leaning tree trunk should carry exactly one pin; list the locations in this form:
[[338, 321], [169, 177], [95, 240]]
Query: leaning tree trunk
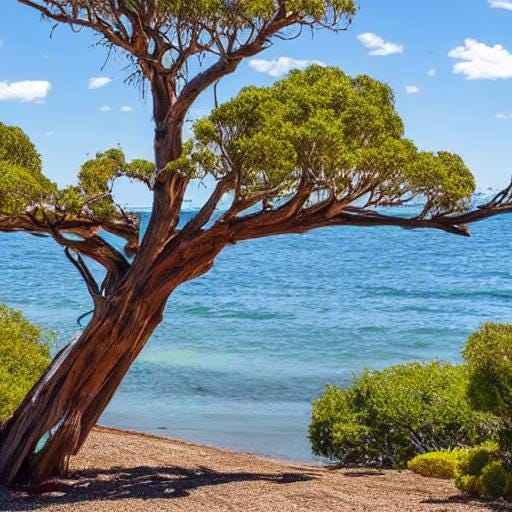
[[57, 415], [54, 420], [67, 401]]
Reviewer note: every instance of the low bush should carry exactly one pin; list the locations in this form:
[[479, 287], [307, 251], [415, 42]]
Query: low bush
[[488, 354], [486, 471], [495, 480], [24, 354], [469, 484], [473, 461], [480, 472], [440, 464], [387, 417]]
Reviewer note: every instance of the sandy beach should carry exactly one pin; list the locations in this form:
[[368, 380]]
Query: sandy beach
[[120, 471]]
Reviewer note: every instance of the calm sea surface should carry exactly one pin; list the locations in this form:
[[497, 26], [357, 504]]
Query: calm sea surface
[[244, 349]]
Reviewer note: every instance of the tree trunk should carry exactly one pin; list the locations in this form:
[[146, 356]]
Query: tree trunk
[[57, 415], [54, 420], [65, 404]]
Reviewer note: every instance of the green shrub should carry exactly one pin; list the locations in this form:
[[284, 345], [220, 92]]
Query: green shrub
[[387, 417], [481, 473], [488, 353], [469, 484], [475, 459], [441, 464], [24, 354], [495, 480]]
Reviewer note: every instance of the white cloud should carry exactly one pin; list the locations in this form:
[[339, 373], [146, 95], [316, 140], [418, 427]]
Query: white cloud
[[49, 133], [280, 66], [412, 89], [98, 81], [432, 72], [25, 91], [126, 108], [501, 4], [1, 43], [379, 46], [105, 108], [503, 116], [482, 62]]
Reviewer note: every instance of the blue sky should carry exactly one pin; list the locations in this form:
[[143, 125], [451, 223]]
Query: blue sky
[[465, 106]]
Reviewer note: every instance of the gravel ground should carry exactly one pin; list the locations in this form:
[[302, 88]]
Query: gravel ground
[[119, 471]]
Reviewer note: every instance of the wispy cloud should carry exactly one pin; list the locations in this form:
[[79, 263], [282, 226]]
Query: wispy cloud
[[126, 108], [501, 4], [482, 62], [412, 89], [48, 133], [378, 46], [25, 91], [1, 43], [432, 72], [280, 66], [105, 108], [96, 82], [503, 116]]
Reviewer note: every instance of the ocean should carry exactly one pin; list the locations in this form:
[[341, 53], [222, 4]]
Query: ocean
[[244, 350]]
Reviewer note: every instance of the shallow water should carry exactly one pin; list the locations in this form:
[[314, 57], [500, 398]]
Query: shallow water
[[244, 349]]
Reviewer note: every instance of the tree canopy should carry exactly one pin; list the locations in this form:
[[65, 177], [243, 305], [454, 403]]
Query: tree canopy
[[162, 35], [338, 138], [316, 148]]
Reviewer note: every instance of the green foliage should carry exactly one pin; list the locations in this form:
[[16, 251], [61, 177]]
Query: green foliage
[[495, 480], [141, 170], [475, 459], [17, 149], [477, 471], [23, 187], [440, 464], [24, 354], [488, 353], [470, 484], [20, 187], [387, 417], [245, 13], [343, 131], [481, 473], [21, 179]]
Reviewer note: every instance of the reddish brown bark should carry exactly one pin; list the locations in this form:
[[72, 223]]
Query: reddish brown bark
[[76, 388]]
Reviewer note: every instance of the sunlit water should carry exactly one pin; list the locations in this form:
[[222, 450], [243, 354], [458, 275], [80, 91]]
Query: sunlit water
[[244, 349]]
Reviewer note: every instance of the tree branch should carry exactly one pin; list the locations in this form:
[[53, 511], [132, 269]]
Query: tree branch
[[84, 271], [90, 243], [270, 223], [208, 209]]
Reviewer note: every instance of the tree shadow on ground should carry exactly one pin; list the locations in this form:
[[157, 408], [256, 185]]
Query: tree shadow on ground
[[363, 473], [143, 482], [494, 506]]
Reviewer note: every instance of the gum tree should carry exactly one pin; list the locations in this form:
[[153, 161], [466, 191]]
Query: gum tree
[[317, 149]]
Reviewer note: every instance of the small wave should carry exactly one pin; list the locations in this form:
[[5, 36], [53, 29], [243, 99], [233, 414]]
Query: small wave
[[236, 313], [444, 294]]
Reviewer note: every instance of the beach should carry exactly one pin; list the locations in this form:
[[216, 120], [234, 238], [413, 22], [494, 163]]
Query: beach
[[120, 471]]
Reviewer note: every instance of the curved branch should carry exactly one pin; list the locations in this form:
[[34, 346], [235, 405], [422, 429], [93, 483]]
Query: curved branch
[[206, 212], [84, 271], [117, 37], [334, 214], [90, 243]]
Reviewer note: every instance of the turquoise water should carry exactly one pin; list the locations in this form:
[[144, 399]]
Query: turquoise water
[[244, 349]]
